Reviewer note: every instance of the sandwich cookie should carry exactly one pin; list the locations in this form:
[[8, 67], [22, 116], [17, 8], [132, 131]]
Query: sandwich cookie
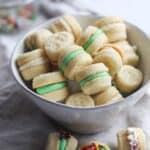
[[51, 86], [33, 63], [132, 139], [128, 79], [110, 95], [93, 78], [72, 58], [37, 39], [55, 43], [66, 23], [95, 145], [114, 28], [130, 55], [92, 39], [80, 100], [111, 56], [61, 141]]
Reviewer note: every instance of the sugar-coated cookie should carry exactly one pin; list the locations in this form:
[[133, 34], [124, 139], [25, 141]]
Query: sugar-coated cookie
[[109, 96], [94, 145], [80, 100], [132, 139], [93, 78], [130, 55], [55, 43], [67, 23], [33, 63], [52, 86], [92, 39], [111, 57], [114, 28], [61, 141], [37, 39], [71, 58], [128, 79]]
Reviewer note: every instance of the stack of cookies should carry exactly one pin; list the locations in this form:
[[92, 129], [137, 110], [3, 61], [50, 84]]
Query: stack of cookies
[[98, 60]]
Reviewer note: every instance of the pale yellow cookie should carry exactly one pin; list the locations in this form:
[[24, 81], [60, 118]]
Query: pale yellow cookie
[[114, 28], [51, 86], [93, 78], [71, 58], [37, 39], [110, 95], [33, 63], [92, 39], [61, 141], [55, 43], [67, 23], [130, 55], [128, 79], [132, 139], [80, 100], [111, 58]]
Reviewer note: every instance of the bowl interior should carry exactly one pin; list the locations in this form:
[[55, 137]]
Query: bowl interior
[[135, 36]]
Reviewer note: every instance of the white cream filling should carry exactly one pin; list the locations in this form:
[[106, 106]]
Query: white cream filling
[[38, 61]]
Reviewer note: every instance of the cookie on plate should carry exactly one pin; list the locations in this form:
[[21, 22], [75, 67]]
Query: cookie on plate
[[128, 79], [114, 28], [130, 55], [94, 145], [111, 57], [55, 43], [61, 141], [71, 58], [33, 63], [66, 23], [36, 39], [110, 95], [92, 39], [51, 86], [93, 78], [80, 100], [132, 139]]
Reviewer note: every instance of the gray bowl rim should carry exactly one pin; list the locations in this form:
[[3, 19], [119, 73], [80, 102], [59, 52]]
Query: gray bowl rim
[[57, 104]]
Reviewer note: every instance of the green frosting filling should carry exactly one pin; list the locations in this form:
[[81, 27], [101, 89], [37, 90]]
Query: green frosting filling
[[91, 39], [50, 88], [105, 148], [92, 77], [62, 144], [69, 57]]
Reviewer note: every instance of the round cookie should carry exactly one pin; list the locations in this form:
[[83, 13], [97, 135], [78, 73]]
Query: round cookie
[[71, 58], [132, 139], [80, 100], [94, 145], [33, 63], [128, 79], [52, 86], [66, 23], [92, 39], [55, 43], [114, 28], [93, 78], [61, 141], [111, 57], [130, 56], [109, 96], [37, 39]]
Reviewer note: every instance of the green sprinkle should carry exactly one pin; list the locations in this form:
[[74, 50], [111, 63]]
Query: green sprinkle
[[69, 57], [50, 88], [91, 39], [92, 77], [63, 144]]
